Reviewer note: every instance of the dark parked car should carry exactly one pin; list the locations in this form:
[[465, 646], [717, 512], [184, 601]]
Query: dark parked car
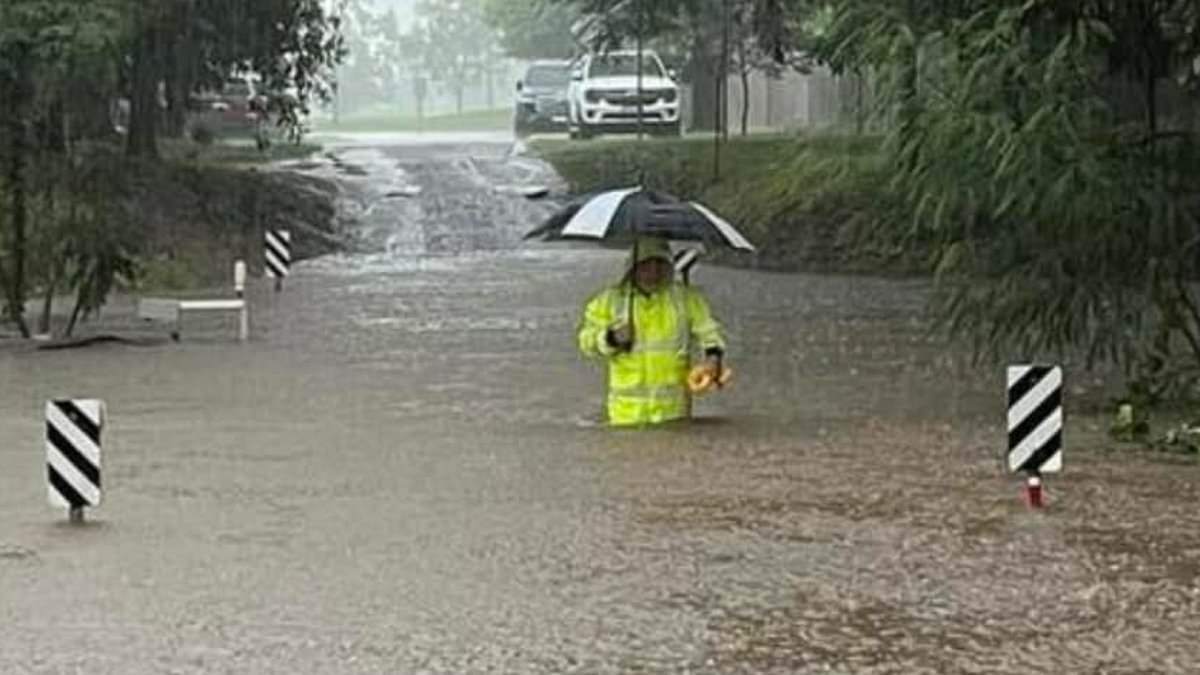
[[542, 98], [235, 110]]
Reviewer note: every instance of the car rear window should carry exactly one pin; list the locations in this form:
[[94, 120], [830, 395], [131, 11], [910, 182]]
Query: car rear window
[[548, 76]]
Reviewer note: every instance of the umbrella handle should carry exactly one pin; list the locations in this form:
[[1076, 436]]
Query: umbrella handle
[[631, 295]]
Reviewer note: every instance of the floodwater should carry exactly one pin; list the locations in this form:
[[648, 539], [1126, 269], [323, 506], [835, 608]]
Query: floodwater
[[396, 475]]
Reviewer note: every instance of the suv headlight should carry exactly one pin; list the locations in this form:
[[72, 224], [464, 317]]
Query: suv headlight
[[592, 96], [668, 95]]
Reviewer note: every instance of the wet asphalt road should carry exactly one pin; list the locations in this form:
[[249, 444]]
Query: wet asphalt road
[[393, 478]]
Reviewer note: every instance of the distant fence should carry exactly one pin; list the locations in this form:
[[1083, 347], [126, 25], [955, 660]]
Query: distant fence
[[821, 100], [812, 101]]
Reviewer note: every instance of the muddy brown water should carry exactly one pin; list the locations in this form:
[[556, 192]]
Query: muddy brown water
[[393, 477]]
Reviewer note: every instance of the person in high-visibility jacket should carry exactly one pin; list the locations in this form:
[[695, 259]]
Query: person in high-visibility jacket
[[646, 328]]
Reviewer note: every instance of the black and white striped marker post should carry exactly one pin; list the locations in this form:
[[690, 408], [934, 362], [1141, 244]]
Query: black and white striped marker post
[[1035, 425], [685, 260], [73, 454], [278, 255]]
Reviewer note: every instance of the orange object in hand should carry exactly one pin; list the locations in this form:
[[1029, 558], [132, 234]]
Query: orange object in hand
[[703, 378], [700, 379]]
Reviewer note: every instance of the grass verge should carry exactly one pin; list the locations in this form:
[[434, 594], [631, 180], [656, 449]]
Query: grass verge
[[807, 201]]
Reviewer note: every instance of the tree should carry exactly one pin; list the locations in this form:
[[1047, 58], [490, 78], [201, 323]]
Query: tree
[[533, 29], [367, 74], [41, 41], [748, 56], [61, 64], [455, 40], [291, 44]]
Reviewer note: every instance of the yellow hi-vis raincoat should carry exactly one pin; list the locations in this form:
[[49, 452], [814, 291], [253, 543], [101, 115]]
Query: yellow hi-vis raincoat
[[648, 383]]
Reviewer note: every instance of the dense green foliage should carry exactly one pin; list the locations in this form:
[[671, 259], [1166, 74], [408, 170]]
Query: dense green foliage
[[1032, 150], [66, 66]]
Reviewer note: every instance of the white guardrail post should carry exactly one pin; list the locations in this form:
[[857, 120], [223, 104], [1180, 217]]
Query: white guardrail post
[[169, 310], [239, 287]]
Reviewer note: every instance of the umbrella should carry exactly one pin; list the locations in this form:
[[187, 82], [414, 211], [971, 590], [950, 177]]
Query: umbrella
[[618, 217]]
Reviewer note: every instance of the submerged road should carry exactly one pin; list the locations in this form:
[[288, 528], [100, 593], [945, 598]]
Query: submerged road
[[393, 477]]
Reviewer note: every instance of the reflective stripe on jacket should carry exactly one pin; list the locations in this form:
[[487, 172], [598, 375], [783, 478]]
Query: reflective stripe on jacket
[[648, 384]]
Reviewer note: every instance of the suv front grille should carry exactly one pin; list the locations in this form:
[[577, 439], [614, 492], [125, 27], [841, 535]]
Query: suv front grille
[[629, 97]]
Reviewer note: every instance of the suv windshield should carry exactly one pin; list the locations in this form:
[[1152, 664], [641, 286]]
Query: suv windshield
[[548, 77], [624, 64]]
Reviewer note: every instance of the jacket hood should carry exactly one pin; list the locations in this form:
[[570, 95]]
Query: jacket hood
[[648, 248]]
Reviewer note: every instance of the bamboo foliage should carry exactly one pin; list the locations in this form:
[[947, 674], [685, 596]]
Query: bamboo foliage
[[1055, 226]]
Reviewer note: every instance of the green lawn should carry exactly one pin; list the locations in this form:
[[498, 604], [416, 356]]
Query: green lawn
[[498, 119]]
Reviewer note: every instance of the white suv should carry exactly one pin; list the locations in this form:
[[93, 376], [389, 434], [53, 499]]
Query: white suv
[[603, 95]]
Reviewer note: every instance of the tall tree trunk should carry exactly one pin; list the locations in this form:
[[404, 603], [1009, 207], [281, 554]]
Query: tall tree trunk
[[745, 102], [704, 88], [144, 111], [47, 307], [718, 123], [181, 73], [337, 101], [81, 294], [90, 110], [19, 214], [769, 86], [726, 55], [51, 127], [52, 262], [177, 89], [16, 92], [419, 92], [1152, 102]]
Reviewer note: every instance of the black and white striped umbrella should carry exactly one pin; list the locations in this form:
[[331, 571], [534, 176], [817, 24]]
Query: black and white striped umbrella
[[620, 216]]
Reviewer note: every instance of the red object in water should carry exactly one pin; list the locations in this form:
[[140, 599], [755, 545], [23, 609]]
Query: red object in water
[[1033, 492]]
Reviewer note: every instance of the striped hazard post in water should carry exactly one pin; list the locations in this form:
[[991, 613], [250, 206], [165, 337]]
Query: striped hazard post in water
[[1035, 424], [73, 454], [278, 255]]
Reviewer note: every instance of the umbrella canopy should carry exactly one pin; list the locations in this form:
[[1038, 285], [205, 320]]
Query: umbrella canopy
[[620, 216]]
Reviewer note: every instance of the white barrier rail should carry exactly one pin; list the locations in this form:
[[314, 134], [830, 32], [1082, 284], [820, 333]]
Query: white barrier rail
[[169, 310]]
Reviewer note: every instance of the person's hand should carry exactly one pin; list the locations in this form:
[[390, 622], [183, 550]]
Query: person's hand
[[621, 337]]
